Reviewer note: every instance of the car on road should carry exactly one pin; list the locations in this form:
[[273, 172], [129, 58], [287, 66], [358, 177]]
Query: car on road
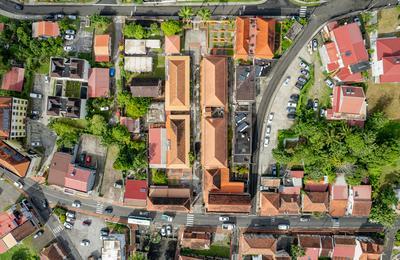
[[287, 80], [329, 83], [67, 225], [357, 20], [68, 48], [305, 218], [87, 222], [163, 231], [315, 104], [85, 242], [266, 141], [35, 95], [291, 104], [305, 73], [295, 97], [59, 16], [273, 169], [70, 214], [314, 44], [38, 234], [76, 204], [283, 227], [72, 17], [18, 184], [18, 7], [108, 210], [223, 218], [270, 117], [168, 228], [69, 37], [304, 65], [291, 109], [228, 226], [268, 130], [70, 220], [118, 184], [69, 31], [301, 80], [335, 221], [166, 217], [291, 116]]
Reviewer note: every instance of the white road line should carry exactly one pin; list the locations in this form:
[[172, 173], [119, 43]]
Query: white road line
[[189, 220], [99, 208]]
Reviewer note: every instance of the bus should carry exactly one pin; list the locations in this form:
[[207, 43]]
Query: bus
[[139, 220]]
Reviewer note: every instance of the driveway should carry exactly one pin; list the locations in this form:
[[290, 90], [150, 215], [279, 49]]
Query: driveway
[[110, 176], [39, 135], [8, 194]]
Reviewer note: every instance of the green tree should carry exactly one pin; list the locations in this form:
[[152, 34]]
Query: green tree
[[135, 107], [159, 177], [121, 134], [171, 27], [204, 14], [97, 125], [296, 251], [134, 30], [23, 253], [138, 256], [130, 158], [68, 135], [154, 29], [186, 13]]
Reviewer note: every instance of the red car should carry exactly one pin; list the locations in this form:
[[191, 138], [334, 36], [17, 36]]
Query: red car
[[88, 159]]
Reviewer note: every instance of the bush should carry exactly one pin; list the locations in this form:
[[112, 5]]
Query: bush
[[159, 177], [60, 213], [135, 31], [135, 107], [171, 27]]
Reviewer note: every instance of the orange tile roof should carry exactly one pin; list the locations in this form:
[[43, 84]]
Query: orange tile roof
[[164, 198], [371, 250], [290, 204], [269, 204], [217, 180], [337, 208], [45, 29], [178, 135], [13, 160], [99, 82], [177, 84], [214, 142], [315, 202], [14, 79], [229, 202], [214, 71], [265, 38], [196, 239], [258, 244], [102, 47], [242, 38], [172, 44]]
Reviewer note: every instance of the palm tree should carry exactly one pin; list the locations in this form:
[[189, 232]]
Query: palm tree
[[204, 14], [186, 13]]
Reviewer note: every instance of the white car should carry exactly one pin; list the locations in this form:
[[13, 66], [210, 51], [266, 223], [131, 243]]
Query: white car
[[71, 17], [46, 79], [291, 104], [329, 83], [35, 95], [304, 65], [223, 218], [268, 130], [35, 144], [315, 104], [68, 48], [270, 117], [76, 204], [266, 141], [169, 230], [18, 184], [283, 227], [69, 37], [67, 225], [228, 226], [85, 242], [163, 231], [287, 80], [104, 108], [70, 214], [70, 32], [69, 219]]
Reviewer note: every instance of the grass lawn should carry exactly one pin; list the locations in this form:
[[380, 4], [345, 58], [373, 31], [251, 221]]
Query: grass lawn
[[21, 251], [73, 89], [44, 68], [388, 20], [158, 69], [304, 93], [214, 251], [384, 97]]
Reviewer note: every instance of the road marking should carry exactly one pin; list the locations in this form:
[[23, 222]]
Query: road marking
[[99, 208], [58, 229], [303, 11], [189, 220]]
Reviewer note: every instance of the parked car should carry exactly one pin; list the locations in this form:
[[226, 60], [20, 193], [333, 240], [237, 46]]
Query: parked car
[[118, 184], [291, 109], [88, 159], [287, 80], [69, 37], [315, 104], [322, 112], [45, 204], [268, 130], [38, 234], [59, 16], [108, 210], [67, 225], [46, 79], [270, 117], [223, 218], [87, 222], [329, 83], [104, 108], [35, 144], [357, 20], [299, 85], [302, 80], [283, 227], [76, 204], [305, 218], [163, 231], [304, 65], [85, 242], [68, 48], [273, 169], [70, 214], [104, 232], [166, 217], [18, 7], [18, 184], [295, 97], [306, 73], [70, 220], [314, 44], [266, 141], [291, 104], [335, 221], [168, 228], [228, 226], [35, 95], [112, 72], [291, 116], [71, 17], [69, 31]]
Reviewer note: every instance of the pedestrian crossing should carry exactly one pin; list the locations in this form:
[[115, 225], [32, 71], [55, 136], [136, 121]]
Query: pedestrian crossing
[[58, 229], [189, 220], [99, 208], [303, 11]]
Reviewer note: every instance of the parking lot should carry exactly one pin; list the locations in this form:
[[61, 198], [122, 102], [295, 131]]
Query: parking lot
[[110, 176], [8, 194], [91, 233], [40, 136]]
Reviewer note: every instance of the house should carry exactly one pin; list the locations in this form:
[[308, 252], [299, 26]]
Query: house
[[344, 247], [172, 44], [294, 178], [133, 125], [360, 202], [45, 29], [99, 82], [214, 82], [135, 193], [13, 161], [102, 48], [254, 38], [368, 249], [13, 80], [58, 167], [177, 83], [140, 47], [261, 246], [315, 202], [386, 66], [146, 87], [245, 84], [311, 245], [178, 137], [274, 203], [12, 116], [163, 198], [71, 69], [66, 107], [198, 240], [346, 55], [156, 113], [348, 103], [158, 146], [54, 251], [138, 64], [114, 247], [214, 142], [339, 195]]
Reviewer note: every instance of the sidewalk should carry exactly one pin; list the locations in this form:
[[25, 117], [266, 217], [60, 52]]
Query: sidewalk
[[307, 3]]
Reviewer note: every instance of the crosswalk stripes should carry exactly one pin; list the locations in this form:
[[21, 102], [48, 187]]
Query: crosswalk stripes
[[99, 208], [189, 220], [303, 11], [58, 229]]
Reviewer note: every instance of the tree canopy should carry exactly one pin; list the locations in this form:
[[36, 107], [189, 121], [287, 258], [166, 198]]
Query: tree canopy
[[134, 30], [135, 107], [171, 27]]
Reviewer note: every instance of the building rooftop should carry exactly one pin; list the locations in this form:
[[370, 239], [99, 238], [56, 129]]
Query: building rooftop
[[99, 82], [315, 202], [157, 147], [5, 116], [172, 44], [67, 107], [245, 84], [59, 167], [156, 113], [229, 202], [178, 136], [257, 244], [140, 47], [102, 48], [214, 82], [135, 189], [13, 80], [388, 50], [45, 29], [69, 68], [177, 84], [13, 161], [78, 178], [138, 64], [54, 251], [165, 198], [146, 87], [242, 135], [196, 239], [214, 142]]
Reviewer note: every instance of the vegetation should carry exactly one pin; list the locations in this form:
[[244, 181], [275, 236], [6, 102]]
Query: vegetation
[[214, 251], [73, 89], [204, 14], [133, 30], [68, 24], [383, 201], [67, 130], [397, 238], [60, 213], [135, 107], [117, 227], [296, 251], [186, 13], [100, 23], [159, 177], [19, 252], [171, 27], [138, 256]]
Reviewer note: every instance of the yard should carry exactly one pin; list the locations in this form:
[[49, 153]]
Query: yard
[[388, 20], [220, 247], [20, 251], [73, 89], [110, 176], [384, 97], [221, 35]]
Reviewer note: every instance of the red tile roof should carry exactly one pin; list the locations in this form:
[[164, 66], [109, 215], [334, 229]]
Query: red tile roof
[[348, 100], [269, 204], [339, 192], [12, 160], [332, 55], [14, 79], [315, 202], [296, 174], [133, 125], [6, 223], [391, 69], [344, 75], [339, 200], [77, 178], [172, 44], [350, 44], [156, 150], [99, 82], [102, 48], [59, 167], [345, 247], [135, 189], [45, 29]]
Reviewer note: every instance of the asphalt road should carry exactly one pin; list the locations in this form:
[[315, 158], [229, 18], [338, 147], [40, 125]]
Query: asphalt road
[[270, 8]]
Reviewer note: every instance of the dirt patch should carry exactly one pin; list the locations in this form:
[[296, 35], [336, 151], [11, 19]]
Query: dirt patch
[[388, 20], [111, 176], [384, 97]]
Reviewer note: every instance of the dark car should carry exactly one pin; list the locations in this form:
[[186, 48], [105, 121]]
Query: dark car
[[302, 80], [45, 204], [19, 7], [291, 109], [104, 231], [314, 44], [109, 210], [299, 85], [306, 73], [291, 116], [87, 222], [294, 97]]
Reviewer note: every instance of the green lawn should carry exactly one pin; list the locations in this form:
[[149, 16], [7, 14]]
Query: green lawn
[[73, 89], [304, 91], [20, 252], [214, 251], [44, 68]]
